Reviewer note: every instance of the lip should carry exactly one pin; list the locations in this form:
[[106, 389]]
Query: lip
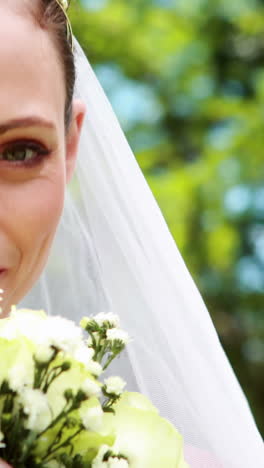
[[3, 271]]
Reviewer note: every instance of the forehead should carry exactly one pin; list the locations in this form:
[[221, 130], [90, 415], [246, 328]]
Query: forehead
[[31, 78]]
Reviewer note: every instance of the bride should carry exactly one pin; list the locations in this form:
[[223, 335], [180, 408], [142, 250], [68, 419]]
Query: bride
[[108, 245]]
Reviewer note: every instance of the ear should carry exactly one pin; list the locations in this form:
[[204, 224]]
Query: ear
[[73, 137]]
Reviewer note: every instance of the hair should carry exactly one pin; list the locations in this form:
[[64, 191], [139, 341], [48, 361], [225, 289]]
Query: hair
[[50, 15]]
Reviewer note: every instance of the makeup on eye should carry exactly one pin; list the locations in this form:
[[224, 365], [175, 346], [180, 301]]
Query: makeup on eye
[[23, 153]]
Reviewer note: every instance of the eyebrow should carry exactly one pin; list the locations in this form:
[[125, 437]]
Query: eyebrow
[[32, 121]]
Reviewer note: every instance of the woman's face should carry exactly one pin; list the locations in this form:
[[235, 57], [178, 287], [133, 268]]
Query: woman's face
[[36, 159]]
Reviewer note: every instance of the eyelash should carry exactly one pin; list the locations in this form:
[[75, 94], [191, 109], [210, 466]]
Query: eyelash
[[23, 145]]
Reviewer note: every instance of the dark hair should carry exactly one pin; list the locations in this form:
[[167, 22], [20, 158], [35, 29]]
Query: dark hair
[[49, 14]]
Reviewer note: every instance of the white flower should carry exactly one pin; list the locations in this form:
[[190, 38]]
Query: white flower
[[115, 385], [2, 444], [35, 405], [113, 462], [43, 330], [91, 388], [115, 334], [92, 418], [20, 375], [117, 463], [43, 353], [94, 368], [83, 354], [98, 460], [63, 334], [25, 322], [104, 317]]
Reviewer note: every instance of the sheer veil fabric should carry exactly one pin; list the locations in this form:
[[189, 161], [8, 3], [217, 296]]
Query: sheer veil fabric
[[113, 251]]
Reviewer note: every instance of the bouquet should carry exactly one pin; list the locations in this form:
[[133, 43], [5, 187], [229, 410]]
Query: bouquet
[[56, 409]]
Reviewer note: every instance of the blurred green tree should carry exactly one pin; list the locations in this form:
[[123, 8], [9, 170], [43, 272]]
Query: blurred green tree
[[191, 75]]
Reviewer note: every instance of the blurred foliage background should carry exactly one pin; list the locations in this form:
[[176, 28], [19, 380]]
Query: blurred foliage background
[[186, 79]]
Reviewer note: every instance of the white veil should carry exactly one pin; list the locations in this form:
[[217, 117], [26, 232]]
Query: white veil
[[113, 251]]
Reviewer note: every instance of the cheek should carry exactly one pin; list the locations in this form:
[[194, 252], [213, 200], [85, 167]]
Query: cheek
[[32, 214], [40, 204]]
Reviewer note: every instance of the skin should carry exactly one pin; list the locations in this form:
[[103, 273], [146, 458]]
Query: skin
[[32, 196]]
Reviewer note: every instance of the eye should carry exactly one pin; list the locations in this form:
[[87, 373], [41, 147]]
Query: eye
[[23, 152], [18, 155]]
